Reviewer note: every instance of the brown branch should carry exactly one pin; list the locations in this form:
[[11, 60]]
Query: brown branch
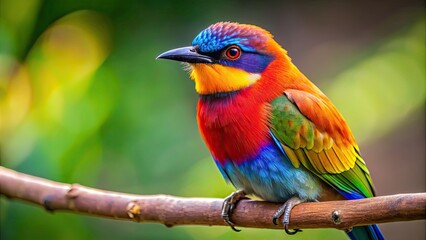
[[171, 211]]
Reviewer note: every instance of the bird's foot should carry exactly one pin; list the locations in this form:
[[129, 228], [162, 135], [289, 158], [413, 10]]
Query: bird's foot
[[229, 205], [285, 211]]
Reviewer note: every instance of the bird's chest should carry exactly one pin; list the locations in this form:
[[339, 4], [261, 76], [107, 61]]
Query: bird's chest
[[239, 139], [233, 129]]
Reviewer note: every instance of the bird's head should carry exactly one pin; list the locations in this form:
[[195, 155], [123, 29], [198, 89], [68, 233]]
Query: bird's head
[[227, 56]]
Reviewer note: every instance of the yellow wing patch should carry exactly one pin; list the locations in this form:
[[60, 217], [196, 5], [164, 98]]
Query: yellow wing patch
[[321, 153], [332, 160]]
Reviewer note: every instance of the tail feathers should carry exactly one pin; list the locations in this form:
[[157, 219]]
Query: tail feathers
[[371, 232]]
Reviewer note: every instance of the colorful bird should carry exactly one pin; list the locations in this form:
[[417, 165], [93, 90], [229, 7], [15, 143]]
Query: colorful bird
[[271, 132]]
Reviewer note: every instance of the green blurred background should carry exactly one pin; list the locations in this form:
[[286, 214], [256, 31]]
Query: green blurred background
[[83, 100]]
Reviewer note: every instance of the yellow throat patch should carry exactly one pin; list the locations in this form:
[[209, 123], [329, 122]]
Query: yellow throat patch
[[214, 78]]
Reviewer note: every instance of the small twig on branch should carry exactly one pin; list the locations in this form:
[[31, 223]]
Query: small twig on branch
[[171, 211]]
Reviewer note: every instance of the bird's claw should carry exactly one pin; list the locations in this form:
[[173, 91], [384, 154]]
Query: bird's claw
[[277, 215], [291, 232], [229, 205], [285, 211]]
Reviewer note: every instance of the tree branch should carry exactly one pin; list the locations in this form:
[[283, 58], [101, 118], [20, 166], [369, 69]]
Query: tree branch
[[171, 211]]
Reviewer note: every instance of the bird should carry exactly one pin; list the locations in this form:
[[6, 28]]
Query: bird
[[271, 132]]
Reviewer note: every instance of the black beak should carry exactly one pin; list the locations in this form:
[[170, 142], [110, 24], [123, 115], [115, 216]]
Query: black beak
[[186, 54]]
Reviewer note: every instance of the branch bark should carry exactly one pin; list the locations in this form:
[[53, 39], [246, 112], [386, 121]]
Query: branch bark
[[170, 210]]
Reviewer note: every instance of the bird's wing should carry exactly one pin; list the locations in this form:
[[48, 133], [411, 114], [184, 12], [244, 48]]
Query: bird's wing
[[312, 133]]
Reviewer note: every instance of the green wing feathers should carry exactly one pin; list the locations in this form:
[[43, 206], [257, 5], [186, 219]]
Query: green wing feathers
[[310, 138]]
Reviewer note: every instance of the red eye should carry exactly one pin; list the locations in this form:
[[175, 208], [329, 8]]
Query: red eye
[[233, 52]]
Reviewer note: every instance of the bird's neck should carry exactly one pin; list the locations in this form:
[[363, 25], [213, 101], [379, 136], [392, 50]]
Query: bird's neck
[[282, 75], [217, 97]]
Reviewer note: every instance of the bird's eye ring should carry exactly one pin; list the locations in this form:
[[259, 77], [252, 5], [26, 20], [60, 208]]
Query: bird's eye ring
[[233, 52]]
